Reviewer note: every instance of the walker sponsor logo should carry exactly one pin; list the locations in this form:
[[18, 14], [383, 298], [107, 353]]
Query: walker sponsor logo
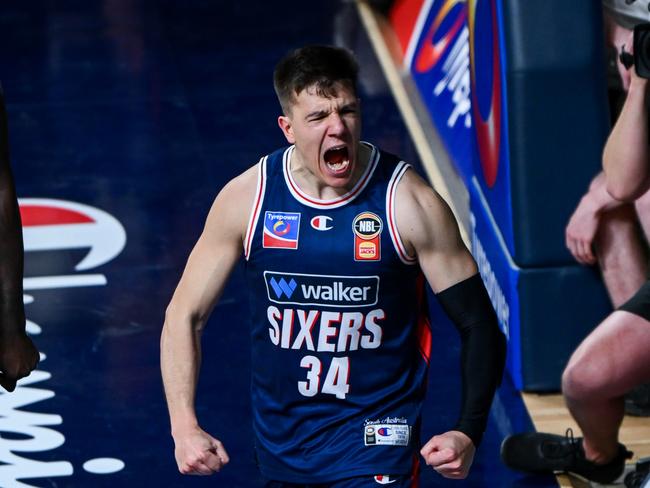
[[281, 287], [50, 225], [281, 230], [331, 291]]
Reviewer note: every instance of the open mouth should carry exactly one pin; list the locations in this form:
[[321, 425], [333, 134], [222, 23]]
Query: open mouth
[[337, 159]]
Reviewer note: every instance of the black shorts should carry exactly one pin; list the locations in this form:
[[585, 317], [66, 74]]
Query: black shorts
[[639, 304]]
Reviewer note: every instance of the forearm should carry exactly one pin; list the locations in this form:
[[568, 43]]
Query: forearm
[[481, 370], [626, 155], [180, 361], [598, 199], [482, 355], [12, 315]]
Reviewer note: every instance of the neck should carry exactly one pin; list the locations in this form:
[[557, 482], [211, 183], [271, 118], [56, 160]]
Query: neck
[[311, 184]]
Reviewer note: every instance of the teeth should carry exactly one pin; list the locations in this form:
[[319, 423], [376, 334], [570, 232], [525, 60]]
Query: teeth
[[339, 166]]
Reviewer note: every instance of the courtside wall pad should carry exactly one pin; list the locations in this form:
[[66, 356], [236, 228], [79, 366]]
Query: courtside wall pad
[[501, 276], [542, 333], [556, 120], [493, 224]]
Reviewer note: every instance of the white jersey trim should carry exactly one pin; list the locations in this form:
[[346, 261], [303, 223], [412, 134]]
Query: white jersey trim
[[305, 199], [256, 208], [391, 191]]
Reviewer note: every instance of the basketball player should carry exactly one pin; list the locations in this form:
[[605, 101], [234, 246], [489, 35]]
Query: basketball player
[[18, 355], [337, 236]]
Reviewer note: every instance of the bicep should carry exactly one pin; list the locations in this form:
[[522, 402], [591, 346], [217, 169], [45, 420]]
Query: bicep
[[427, 223], [204, 277], [211, 262], [443, 270]]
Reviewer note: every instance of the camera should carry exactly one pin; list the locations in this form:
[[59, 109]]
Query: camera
[[641, 57]]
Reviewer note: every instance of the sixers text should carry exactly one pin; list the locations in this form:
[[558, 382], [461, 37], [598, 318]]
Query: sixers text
[[329, 331]]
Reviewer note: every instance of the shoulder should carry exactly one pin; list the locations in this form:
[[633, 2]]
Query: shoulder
[[232, 205], [429, 231], [417, 197], [242, 185], [423, 218]]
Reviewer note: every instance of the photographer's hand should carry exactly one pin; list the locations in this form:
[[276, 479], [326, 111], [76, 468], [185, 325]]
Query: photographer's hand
[[583, 225], [625, 44], [618, 38]]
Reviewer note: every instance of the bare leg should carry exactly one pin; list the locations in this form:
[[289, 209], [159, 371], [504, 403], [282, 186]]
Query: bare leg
[[610, 361], [622, 253]]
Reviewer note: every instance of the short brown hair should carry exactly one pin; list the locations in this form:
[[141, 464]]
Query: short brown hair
[[319, 66]]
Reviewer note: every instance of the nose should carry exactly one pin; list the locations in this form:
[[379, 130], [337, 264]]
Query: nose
[[336, 125]]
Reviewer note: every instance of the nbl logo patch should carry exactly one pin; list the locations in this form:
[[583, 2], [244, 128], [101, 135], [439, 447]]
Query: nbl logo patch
[[281, 230], [367, 237]]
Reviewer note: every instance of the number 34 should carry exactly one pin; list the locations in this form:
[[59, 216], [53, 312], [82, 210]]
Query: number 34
[[336, 380]]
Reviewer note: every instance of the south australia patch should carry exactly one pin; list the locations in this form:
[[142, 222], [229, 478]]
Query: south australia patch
[[387, 435]]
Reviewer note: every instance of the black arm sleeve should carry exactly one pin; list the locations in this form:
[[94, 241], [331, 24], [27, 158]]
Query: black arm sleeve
[[482, 355]]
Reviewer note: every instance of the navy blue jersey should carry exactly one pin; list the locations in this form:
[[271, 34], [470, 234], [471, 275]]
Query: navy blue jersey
[[340, 346]]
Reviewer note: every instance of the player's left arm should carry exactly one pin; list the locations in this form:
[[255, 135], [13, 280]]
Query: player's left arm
[[429, 231]]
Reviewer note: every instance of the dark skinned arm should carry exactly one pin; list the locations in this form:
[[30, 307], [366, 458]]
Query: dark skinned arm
[[18, 355]]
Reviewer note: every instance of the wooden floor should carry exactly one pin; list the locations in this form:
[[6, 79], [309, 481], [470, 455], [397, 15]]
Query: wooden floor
[[549, 414]]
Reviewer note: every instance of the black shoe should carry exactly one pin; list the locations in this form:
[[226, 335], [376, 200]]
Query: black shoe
[[640, 477], [549, 453], [637, 480]]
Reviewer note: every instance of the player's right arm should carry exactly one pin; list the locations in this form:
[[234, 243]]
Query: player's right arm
[[207, 270]]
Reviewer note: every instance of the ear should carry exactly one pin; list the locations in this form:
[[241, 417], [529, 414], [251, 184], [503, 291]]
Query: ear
[[287, 129]]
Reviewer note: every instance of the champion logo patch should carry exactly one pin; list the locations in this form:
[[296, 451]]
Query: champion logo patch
[[281, 230], [367, 229], [322, 222], [384, 479]]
